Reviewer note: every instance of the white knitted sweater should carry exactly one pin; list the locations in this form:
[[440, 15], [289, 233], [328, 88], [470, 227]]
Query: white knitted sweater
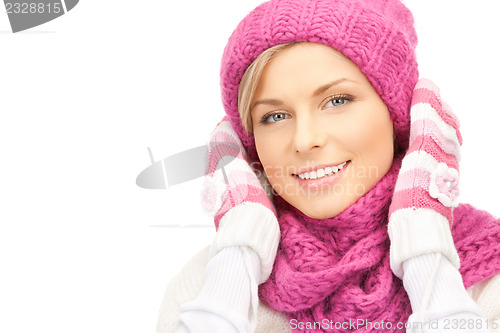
[[186, 285]]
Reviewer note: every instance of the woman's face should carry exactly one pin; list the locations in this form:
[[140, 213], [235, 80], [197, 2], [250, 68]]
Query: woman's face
[[322, 133]]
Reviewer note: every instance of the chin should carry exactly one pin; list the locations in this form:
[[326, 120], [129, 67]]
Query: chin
[[326, 208], [320, 212], [320, 215]]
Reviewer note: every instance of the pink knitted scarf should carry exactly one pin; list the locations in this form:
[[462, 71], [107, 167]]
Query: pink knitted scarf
[[338, 268]]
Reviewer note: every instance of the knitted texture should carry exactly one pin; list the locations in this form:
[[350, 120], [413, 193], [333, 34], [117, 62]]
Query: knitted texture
[[477, 239], [339, 268], [429, 173], [233, 194], [377, 35], [427, 186], [230, 180]]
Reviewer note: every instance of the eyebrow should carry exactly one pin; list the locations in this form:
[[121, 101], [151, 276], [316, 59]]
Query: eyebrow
[[327, 86], [319, 91]]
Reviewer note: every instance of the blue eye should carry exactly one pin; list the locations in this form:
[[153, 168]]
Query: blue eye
[[273, 118], [337, 101]]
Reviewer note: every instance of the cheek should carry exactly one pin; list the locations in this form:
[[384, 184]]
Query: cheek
[[380, 147], [374, 127], [371, 140], [269, 156]]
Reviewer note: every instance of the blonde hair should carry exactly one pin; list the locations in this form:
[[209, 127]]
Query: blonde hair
[[250, 80]]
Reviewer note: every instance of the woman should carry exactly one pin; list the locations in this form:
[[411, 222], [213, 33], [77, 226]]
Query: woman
[[323, 96]]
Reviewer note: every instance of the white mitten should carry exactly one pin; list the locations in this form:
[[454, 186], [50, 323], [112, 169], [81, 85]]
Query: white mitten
[[244, 248], [233, 193]]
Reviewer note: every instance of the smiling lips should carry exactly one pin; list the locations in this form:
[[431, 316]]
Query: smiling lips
[[323, 177], [320, 173]]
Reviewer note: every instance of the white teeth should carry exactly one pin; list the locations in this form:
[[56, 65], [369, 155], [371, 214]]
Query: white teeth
[[304, 176], [320, 173]]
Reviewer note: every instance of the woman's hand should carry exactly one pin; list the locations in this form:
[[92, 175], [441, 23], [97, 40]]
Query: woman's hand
[[234, 194], [426, 192], [244, 248], [422, 250]]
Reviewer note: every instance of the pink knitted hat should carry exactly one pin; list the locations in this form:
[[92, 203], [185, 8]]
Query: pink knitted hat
[[377, 35]]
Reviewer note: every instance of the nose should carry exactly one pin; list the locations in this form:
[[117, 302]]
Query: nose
[[308, 135]]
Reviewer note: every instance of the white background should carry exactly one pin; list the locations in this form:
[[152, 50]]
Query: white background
[[83, 96]]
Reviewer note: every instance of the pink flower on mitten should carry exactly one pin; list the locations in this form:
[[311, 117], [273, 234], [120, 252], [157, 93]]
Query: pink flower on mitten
[[211, 194], [444, 185], [428, 178], [426, 191]]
